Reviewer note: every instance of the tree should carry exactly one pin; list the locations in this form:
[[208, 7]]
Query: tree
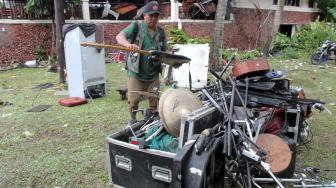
[[59, 22], [275, 27], [219, 33], [46, 9], [328, 8]]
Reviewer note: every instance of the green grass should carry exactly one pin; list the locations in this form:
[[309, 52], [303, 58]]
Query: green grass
[[74, 155], [56, 155]]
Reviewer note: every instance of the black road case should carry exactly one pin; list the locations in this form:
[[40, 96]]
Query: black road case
[[132, 167]]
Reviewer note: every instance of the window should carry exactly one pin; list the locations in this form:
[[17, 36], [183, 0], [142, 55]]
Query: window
[[286, 29], [311, 3], [289, 2]]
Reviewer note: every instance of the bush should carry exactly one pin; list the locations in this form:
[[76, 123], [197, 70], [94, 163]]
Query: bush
[[311, 36], [305, 41], [40, 53], [177, 36], [290, 53], [239, 55]]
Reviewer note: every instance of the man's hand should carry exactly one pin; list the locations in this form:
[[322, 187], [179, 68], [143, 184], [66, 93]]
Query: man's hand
[[133, 47]]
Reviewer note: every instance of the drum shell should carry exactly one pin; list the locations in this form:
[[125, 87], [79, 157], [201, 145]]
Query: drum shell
[[250, 68]]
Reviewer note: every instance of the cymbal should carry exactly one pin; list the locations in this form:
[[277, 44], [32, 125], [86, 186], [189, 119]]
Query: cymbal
[[146, 94], [278, 155], [173, 104], [170, 59], [161, 102]]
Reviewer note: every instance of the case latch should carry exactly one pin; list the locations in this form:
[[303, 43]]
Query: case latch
[[123, 162], [162, 174]]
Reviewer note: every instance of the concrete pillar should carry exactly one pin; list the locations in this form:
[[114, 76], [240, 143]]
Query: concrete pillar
[[86, 10], [304, 3], [174, 10]]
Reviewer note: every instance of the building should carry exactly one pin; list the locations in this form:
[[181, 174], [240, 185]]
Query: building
[[248, 28]]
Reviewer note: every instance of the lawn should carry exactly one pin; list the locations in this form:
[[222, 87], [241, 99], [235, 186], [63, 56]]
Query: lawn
[[65, 147]]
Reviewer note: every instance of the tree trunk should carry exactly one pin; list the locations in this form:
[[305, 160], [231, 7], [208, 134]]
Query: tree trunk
[[276, 26], [219, 33], [59, 21], [53, 39]]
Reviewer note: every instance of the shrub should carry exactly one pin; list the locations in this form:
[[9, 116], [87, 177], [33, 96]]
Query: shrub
[[305, 41], [177, 36], [311, 36], [40, 53], [290, 53], [240, 55]]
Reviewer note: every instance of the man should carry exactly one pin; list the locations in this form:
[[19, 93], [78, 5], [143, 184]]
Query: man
[[143, 73]]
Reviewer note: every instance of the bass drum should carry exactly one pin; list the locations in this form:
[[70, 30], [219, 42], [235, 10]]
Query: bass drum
[[289, 171], [281, 153]]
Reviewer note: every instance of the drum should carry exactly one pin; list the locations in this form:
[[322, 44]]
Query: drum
[[279, 155], [250, 68]]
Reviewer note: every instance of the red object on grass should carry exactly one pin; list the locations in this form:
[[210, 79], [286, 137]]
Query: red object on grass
[[72, 101]]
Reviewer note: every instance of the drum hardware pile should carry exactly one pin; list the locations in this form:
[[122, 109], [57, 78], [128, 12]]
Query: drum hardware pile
[[241, 146], [245, 160]]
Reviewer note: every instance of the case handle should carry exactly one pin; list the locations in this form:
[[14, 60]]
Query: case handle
[[162, 174], [123, 162]]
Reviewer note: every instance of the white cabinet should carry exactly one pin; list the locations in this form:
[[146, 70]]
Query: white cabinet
[[85, 66]]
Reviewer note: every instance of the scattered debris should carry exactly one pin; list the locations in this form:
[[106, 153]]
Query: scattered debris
[[61, 93], [27, 133], [53, 68], [6, 115], [39, 108], [123, 91], [43, 86], [332, 103], [8, 65], [31, 64], [65, 125]]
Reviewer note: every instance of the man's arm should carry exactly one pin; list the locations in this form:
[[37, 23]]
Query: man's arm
[[124, 35], [122, 40]]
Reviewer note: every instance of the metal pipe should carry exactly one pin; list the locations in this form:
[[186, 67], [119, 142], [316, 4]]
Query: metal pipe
[[222, 95], [284, 180], [212, 100]]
